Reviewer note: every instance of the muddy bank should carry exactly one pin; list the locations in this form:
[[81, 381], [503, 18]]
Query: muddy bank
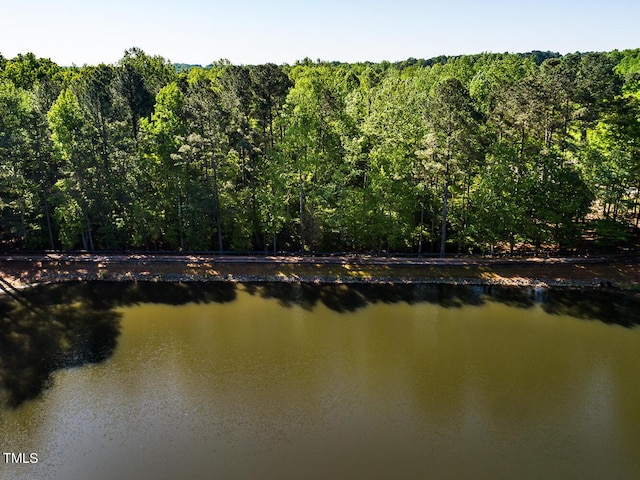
[[25, 270]]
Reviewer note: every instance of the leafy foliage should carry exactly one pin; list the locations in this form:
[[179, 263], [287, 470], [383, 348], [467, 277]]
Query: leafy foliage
[[447, 154]]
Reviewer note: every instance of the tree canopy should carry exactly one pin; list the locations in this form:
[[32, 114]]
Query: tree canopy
[[451, 154]]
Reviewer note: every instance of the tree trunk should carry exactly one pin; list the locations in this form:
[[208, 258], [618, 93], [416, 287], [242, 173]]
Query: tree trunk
[[47, 215], [445, 200], [421, 228], [89, 234], [45, 185], [216, 199], [300, 199], [24, 226], [180, 223], [636, 204]]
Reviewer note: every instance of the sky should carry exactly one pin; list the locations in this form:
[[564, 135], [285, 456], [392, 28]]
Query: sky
[[79, 32]]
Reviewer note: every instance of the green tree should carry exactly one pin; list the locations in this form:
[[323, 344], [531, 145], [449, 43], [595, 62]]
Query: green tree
[[315, 115], [166, 181], [14, 194], [395, 177], [208, 144], [140, 78], [77, 189], [451, 142], [611, 164], [26, 71]]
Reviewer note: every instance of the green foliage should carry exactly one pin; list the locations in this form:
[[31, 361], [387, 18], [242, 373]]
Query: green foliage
[[628, 68], [27, 71], [420, 156], [15, 196], [610, 233]]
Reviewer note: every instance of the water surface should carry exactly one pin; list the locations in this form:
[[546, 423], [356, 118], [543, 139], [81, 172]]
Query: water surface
[[281, 381]]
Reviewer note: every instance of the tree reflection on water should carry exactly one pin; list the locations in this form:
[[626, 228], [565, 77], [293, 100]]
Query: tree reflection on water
[[69, 325], [606, 305]]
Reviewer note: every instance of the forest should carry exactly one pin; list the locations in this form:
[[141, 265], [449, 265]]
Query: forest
[[467, 154]]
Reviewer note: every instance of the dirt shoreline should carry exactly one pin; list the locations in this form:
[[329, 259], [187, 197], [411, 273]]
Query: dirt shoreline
[[22, 271]]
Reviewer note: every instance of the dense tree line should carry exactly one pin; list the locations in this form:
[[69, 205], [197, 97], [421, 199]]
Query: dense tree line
[[457, 154]]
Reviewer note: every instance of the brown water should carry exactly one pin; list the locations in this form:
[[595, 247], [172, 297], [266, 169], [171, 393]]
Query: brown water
[[323, 383]]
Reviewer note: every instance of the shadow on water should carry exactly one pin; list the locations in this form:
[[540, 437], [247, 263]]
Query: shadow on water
[[349, 298], [70, 325], [78, 324], [33, 344], [105, 295], [609, 306]]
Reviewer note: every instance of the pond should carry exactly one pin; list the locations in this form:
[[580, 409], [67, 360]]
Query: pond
[[283, 381]]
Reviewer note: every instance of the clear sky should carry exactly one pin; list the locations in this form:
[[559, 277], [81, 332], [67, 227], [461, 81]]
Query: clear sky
[[283, 31]]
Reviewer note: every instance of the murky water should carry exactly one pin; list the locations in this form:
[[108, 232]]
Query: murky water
[[108, 381]]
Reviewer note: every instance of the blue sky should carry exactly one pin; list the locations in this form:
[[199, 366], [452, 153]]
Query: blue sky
[[283, 31]]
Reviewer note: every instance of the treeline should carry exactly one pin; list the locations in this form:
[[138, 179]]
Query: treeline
[[456, 154]]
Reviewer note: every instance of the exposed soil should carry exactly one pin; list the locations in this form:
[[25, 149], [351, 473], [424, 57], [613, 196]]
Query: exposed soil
[[24, 270]]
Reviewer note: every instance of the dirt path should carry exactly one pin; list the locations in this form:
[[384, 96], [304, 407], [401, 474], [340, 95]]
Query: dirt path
[[22, 270]]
